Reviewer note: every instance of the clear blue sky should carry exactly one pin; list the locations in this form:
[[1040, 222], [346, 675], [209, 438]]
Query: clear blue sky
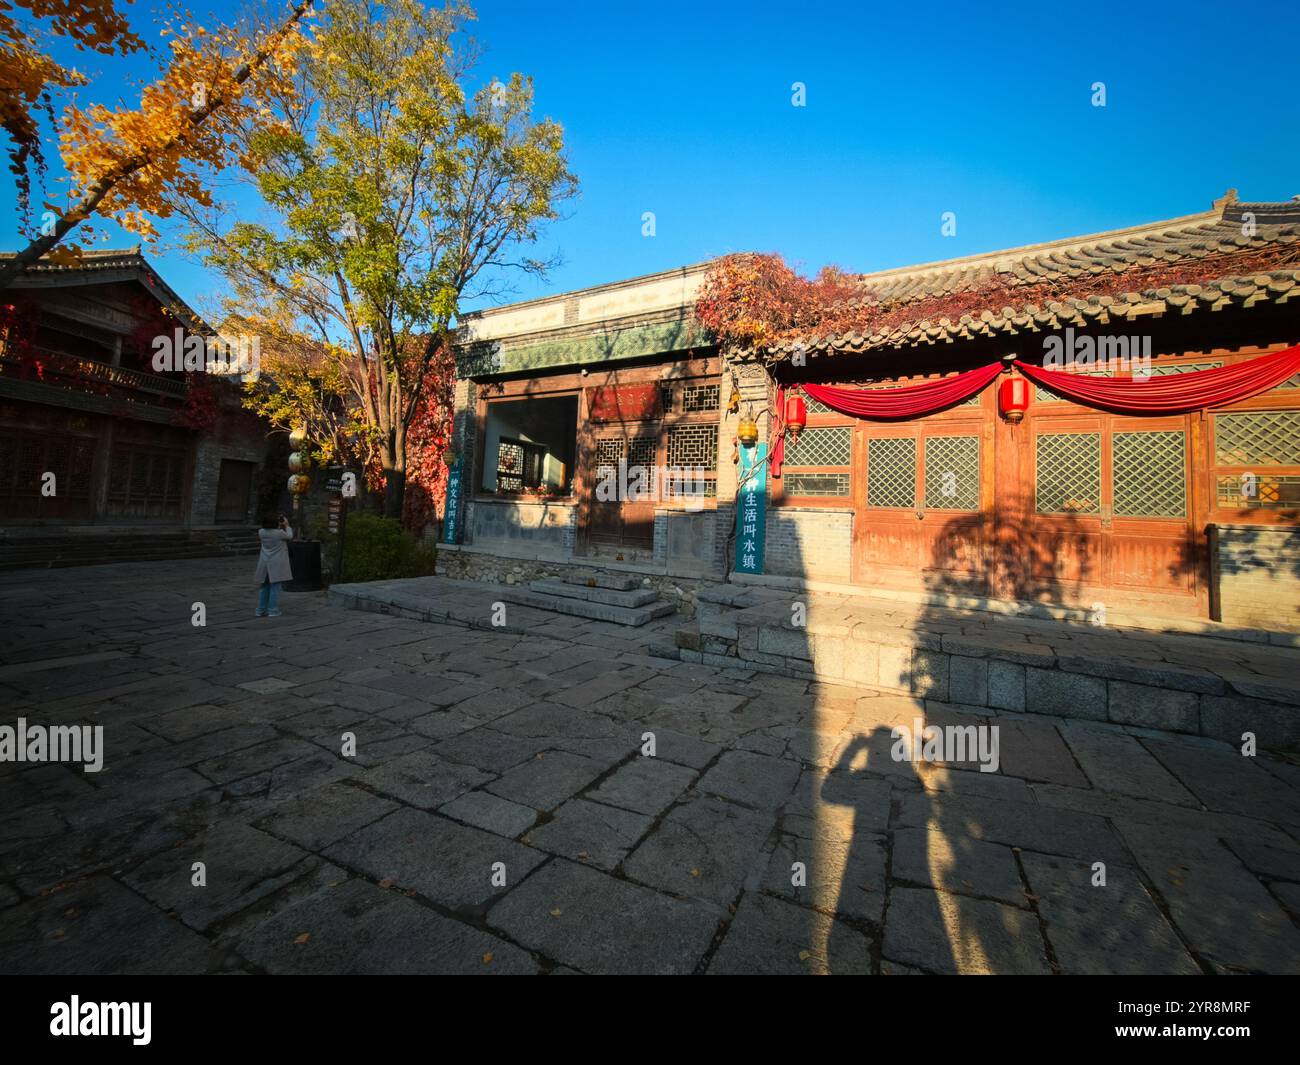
[[684, 109]]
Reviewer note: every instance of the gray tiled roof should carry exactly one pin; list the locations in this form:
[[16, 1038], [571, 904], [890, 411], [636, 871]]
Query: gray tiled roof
[[1215, 237]]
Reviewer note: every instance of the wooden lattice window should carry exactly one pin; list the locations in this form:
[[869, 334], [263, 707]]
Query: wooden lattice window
[[818, 463], [1149, 474], [1067, 477], [1258, 458], [891, 472], [952, 472]]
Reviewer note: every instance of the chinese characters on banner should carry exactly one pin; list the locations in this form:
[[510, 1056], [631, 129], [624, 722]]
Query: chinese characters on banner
[[451, 511], [751, 510]]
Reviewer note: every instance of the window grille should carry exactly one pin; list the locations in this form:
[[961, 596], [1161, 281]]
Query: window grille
[[1068, 473], [1149, 474]]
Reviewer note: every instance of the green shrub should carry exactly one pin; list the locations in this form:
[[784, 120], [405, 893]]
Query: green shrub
[[379, 549]]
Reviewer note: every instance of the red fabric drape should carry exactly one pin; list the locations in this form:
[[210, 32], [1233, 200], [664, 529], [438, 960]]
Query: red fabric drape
[[910, 401], [1175, 393]]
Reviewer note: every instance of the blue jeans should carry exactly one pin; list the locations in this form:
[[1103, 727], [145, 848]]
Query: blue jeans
[[267, 596]]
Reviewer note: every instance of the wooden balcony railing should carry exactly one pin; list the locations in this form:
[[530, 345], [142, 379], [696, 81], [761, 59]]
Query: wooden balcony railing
[[64, 365]]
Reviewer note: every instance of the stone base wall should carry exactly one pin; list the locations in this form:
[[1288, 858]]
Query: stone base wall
[[1257, 576], [547, 526], [806, 542], [1024, 678]]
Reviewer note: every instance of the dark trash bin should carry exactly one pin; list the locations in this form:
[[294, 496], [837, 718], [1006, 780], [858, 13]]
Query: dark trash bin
[[304, 559]]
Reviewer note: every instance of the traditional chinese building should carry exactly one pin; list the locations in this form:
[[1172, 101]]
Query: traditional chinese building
[[93, 439], [984, 486]]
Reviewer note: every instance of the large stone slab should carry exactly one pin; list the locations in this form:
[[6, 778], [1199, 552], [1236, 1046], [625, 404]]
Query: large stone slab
[[590, 832], [424, 779], [326, 815], [846, 877], [706, 848], [944, 933], [99, 928], [957, 863], [241, 865], [645, 785], [772, 937], [597, 924], [752, 779], [547, 780], [358, 928], [445, 862], [1110, 928]]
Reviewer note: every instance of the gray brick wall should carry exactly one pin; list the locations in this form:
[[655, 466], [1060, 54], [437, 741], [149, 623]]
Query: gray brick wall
[[1257, 568], [234, 437], [809, 542]]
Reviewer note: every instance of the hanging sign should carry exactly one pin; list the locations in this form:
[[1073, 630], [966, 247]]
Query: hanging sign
[[751, 510], [451, 511]]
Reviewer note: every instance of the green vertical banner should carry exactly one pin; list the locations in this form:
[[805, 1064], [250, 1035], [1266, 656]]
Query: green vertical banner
[[451, 509], [751, 510]]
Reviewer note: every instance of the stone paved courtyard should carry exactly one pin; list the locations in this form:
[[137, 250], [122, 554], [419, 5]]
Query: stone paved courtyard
[[499, 816]]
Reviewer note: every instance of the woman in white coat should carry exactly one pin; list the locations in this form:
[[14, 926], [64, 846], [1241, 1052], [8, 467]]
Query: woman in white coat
[[272, 564]]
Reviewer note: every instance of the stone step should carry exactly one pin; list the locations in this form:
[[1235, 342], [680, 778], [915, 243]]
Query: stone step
[[617, 582], [584, 608], [631, 599]]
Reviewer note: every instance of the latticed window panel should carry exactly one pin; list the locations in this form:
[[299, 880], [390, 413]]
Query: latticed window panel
[[1149, 474], [666, 398], [510, 467], [641, 451], [952, 472], [1266, 491], [891, 472], [698, 399], [1290, 382], [1067, 473], [816, 484], [832, 446], [816, 406], [1261, 438], [693, 445], [609, 453]]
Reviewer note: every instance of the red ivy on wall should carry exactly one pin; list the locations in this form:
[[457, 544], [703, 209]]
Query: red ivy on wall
[[201, 408], [756, 301], [427, 438]]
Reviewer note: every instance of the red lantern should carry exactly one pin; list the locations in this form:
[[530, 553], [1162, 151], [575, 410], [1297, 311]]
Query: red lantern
[[1013, 398], [796, 416]]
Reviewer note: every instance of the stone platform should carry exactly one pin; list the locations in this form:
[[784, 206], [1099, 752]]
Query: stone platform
[[1219, 688]]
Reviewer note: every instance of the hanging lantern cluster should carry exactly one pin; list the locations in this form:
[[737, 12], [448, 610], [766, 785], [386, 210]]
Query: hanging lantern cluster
[[299, 482]]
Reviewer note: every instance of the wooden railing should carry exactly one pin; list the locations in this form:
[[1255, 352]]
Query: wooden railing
[[73, 366]]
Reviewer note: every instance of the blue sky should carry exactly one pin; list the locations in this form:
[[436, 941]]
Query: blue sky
[[684, 110]]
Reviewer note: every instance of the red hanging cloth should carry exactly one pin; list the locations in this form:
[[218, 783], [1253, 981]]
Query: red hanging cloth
[[909, 401], [1175, 393]]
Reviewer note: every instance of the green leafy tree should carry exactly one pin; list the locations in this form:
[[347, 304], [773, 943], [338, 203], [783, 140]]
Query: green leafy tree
[[392, 194]]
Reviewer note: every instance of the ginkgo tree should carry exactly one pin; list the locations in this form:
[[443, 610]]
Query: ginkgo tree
[[131, 165], [390, 192]]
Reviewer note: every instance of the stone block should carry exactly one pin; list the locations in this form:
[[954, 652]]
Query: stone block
[[1050, 691], [1139, 704], [968, 680], [930, 675], [1006, 681]]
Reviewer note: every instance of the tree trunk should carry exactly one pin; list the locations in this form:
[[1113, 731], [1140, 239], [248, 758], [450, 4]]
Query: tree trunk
[[394, 492]]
